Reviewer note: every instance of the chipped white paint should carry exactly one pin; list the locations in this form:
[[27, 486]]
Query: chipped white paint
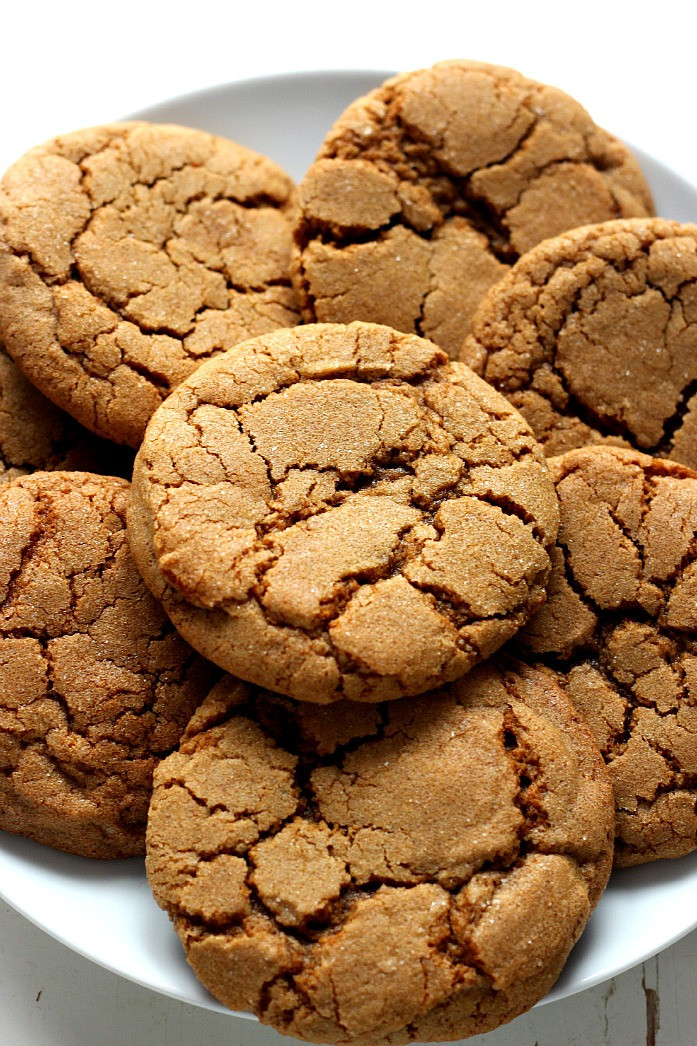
[[49, 996]]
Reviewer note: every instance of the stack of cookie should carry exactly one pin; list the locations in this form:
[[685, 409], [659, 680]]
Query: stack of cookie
[[447, 659], [118, 247]]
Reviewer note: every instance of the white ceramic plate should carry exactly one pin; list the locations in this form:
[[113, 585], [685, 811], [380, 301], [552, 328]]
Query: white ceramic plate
[[104, 910]]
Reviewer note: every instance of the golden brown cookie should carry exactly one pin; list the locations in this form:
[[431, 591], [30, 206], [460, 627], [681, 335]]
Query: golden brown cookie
[[427, 189], [95, 684], [593, 336], [34, 434], [130, 253], [340, 512], [620, 631], [368, 874]]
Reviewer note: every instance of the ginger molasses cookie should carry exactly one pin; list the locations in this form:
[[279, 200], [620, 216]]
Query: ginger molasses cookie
[[620, 631], [341, 512], [427, 189], [130, 253], [417, 870], [35, 435], [96, 685], [593, 336]]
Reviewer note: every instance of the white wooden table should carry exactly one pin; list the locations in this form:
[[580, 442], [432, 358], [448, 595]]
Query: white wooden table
[[71, 65]]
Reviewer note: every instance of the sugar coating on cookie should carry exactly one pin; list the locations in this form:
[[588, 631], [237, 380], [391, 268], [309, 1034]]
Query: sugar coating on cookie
[[36, 436], [427, 189], [417, 870], [130, 253], [620, 631], [95, 684], [340, 512], [593, 337]]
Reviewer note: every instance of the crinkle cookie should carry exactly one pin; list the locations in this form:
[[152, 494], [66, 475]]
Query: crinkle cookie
[[35, 435], [368, 874], [593, 337], [340, 512], [620, 631], [95, 684], [130, 253], [427, 189]]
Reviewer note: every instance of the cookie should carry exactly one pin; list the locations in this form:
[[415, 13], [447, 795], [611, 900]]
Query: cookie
[[417, 870], [426, 190], [620, 631], [593, 336], [340, 512], [35, 435], [129, 254], [95, 684]]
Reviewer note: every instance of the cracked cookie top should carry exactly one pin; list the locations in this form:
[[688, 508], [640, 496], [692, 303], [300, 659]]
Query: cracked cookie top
[[95, 684], [427, 189], [339, 511], [620, 631], [593, 337], [35, 435], [130, 253], [414, 870]]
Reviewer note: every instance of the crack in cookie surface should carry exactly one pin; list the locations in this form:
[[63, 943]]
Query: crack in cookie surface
[[291, 844], [429, 187], [619, 633], [131, 253], [374, 515], [96, 684], [559, 337]]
